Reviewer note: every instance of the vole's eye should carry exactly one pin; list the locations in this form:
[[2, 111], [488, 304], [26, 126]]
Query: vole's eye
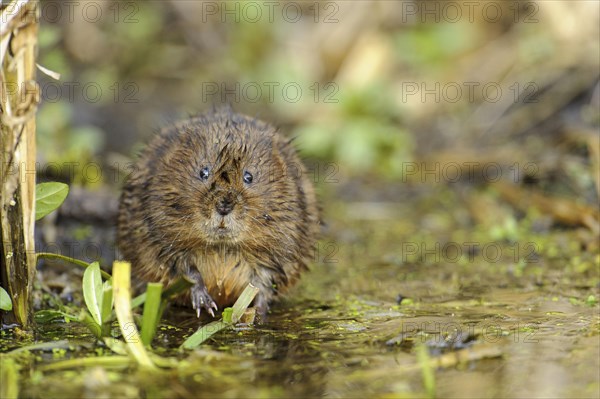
[[248, 177], [204, 173]]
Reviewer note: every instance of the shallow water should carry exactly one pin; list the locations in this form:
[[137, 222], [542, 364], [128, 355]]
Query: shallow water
[[507, 313]]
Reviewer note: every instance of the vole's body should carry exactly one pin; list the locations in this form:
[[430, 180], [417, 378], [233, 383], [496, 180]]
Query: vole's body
[[223, 199]]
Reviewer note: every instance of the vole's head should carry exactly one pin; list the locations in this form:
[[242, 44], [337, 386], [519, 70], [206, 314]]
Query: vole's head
[[221, 179]]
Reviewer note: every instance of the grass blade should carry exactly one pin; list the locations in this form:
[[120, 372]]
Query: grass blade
[[204, 333], [138, 301], [210, 329], [152, 312], [240, 306], [122, 294], [113, 362]]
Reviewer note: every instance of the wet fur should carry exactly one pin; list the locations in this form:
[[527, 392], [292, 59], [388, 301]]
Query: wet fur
[[169, 226]]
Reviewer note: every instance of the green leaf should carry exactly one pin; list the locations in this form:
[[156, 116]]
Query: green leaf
[[90, 323], [151, 313], [107, 300], [5, 302], [48, 197], [92, 291]]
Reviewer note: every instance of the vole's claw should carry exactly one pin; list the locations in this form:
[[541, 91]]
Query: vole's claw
[[213, 308], [202, 299]]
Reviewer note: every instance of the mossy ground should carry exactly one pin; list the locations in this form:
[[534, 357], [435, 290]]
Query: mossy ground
[[509, 311]]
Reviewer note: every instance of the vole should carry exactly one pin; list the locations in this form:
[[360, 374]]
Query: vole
[[223, 199]]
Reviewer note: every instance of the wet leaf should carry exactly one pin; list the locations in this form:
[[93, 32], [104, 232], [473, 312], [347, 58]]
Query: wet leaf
[[92, 291], [48, 197]]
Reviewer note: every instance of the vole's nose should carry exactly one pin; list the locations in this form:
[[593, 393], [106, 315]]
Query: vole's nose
[[224, 206]]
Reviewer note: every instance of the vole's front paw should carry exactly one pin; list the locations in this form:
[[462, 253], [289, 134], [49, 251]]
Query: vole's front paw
[[201, 299]]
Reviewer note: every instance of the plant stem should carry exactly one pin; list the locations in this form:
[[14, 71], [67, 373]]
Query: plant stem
[[48, 255]]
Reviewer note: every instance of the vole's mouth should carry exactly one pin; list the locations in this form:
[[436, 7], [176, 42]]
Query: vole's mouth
[[223, 232], [221, 229]]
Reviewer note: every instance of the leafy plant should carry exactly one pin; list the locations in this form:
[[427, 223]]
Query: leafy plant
[[103, 292], [98, 298], [99, 301], [48, 197]]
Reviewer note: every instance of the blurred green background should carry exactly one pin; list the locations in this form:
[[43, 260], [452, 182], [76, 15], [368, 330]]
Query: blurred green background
[[432, 125], [369, 85]]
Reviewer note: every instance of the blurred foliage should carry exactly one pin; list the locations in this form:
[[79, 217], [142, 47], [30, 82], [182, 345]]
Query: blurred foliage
[[156, 62], [366, 137], [61, 141]]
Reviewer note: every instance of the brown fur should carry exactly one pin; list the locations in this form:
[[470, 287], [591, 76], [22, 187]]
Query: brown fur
[[169, 220]]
